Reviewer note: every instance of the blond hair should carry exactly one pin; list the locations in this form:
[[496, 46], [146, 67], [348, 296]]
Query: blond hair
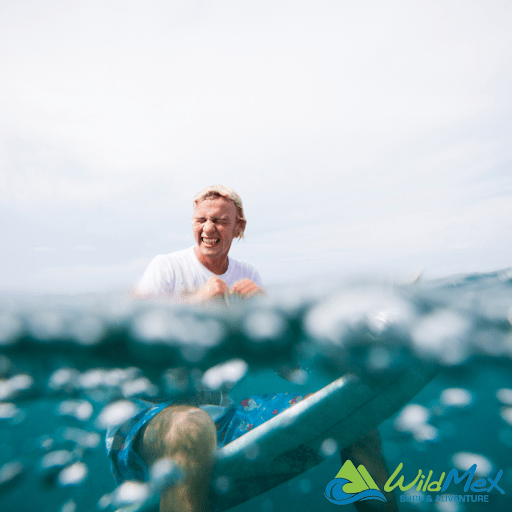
[[227, 193]]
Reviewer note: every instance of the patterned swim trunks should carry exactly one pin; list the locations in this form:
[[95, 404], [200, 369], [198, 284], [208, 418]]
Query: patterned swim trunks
[[235, 421]]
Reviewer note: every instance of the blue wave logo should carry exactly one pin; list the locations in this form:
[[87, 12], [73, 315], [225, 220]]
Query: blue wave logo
[[351, 484]]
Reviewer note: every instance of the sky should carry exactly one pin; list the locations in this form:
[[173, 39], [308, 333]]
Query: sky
[[365, 138]]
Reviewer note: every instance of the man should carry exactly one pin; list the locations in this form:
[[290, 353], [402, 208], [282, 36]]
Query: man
[[188, 432], [204, 272]]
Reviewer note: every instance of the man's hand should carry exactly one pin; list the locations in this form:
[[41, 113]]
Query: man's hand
[[214, 287], [246, 288]]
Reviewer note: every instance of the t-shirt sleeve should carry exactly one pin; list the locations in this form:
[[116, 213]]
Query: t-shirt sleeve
[[257, 278], [158, 278]]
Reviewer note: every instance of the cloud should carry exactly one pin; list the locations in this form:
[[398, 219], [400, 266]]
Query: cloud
[[347, 128], [44, 249]]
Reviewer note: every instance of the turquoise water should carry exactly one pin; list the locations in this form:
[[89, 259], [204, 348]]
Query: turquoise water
[[65, 360]]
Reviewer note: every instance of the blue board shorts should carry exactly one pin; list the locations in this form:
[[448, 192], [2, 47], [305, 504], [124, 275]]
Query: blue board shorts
[[232, 422]]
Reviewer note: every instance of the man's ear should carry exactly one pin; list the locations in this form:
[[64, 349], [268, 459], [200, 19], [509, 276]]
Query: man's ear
[[240, 228]]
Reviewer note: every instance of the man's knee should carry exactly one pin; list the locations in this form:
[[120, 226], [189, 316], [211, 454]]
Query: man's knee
[[182, 433]]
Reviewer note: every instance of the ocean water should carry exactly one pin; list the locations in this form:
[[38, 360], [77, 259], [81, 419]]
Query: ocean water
[[69, 366]]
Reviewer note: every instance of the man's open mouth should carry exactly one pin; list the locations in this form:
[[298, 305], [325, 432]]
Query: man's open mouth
[[210, 241]]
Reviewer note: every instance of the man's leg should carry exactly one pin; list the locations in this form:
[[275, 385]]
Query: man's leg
[[187, 436], [368, 452]]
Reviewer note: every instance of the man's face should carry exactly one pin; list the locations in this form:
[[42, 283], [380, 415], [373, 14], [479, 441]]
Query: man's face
[[214, 225]]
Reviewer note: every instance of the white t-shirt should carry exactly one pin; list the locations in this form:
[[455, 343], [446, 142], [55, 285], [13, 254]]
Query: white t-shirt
[[181, 273]]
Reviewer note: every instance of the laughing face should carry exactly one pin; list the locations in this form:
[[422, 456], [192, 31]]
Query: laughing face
[[215, 225]]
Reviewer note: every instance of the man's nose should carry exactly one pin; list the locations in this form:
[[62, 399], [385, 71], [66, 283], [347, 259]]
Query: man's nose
[[209, 226]]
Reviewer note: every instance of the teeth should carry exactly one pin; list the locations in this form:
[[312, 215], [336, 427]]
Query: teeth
[[210, 240]]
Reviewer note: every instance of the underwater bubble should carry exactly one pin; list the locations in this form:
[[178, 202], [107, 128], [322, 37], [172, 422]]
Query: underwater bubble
[[411, 418], [442, 335], [464, 460], [379, 358], [80, 409], [378, 308], [155, 325], [8, 410], [63, 378], [230, 372], [504, 395], [94, 378], [456, 397], [87, 330], [425, 432], [10, 471], [82, 437], [116, 413], [118, 376], [162, 325], [506, 414], [56, 459], [131, 492], [75, 474], [10, 328], [15, 386], [222, 484], [69, 506], [140, 386], [47, 325], [262, 325], [164, 472], [448, 506], [329, 447]]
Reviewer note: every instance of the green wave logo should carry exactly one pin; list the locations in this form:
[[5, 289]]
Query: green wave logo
[[351, 484]]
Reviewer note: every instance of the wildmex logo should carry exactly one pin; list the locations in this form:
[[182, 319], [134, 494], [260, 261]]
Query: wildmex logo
[[351, 484]]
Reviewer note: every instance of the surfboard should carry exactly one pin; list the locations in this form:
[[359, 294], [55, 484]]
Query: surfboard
[[291, 442]]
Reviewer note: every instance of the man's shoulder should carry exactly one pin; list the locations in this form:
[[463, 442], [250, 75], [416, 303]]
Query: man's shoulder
[[175, 256], [240, 269], [241, 264]]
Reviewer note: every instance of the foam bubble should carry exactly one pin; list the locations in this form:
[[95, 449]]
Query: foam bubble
[[456, 397], [504, 395], [75, 474], [10, 328], [448, 506], [15, 386], [329, 447], [377, 308], [8, 410], [116, 413], [131, 492], [262, 325], [55, 459], [464, 460], [140, 386], [412, 418], [80, 409], [10, 471], [506, 414], [442, 335], [229, 372]]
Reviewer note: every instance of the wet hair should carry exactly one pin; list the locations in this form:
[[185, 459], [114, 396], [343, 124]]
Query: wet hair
[[226, 193]]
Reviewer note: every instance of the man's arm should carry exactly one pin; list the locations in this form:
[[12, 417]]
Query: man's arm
[[247, 288]]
